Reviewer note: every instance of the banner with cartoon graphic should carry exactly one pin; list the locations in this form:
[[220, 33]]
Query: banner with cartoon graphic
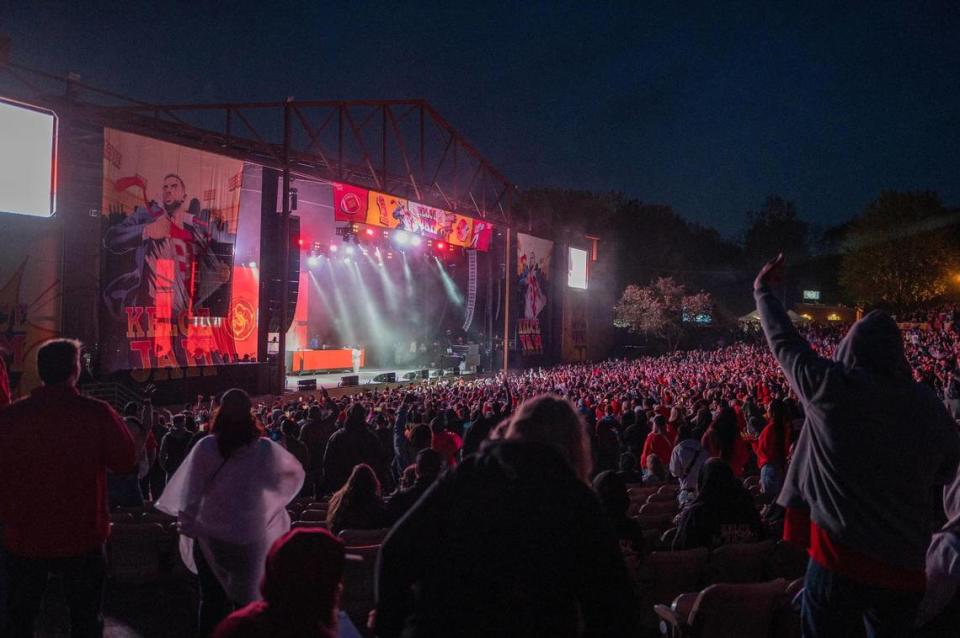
[[171, 294], [534, 256], [359, 205]]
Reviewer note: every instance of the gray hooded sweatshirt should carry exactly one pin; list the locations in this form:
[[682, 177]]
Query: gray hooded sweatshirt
[[874, 442]]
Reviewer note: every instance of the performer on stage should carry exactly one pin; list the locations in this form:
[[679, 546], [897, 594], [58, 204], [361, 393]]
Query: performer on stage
[[356, 359]]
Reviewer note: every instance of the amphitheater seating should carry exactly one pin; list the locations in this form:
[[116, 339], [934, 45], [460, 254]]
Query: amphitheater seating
[[726, 610], [666, 575], [659, 521], [135, 552], [358, 583], [363, 537], [658, 507], [313, 515], [741, 563]]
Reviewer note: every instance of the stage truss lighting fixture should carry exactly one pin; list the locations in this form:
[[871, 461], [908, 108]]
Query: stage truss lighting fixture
[[253, 264], [333, 248], [369, 232]]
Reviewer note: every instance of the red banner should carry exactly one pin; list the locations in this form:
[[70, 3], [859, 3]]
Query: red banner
[[349, 203]]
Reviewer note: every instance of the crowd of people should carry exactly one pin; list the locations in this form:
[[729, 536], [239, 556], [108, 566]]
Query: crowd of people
[[506, 497]]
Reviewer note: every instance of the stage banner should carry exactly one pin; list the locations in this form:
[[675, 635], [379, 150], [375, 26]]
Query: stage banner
[[533, 271], [435, 223], [355, 204], [533, 268], [471, 289], [531, 341], [482, 235], [30, 295], [387, 211], [350, 203], [170, 217], [462, 232]]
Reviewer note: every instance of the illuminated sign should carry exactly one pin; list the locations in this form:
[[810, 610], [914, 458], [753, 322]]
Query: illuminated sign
[[811, 295]]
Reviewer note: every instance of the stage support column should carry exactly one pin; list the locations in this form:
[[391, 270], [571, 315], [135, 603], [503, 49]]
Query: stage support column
[[285, 252], [506, 304]]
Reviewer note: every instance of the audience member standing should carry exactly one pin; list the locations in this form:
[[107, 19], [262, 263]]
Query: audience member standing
[[175, 445], [686, 461], [874, 446], [349, 447], [55, 449], [315, 433], [427, 468], [512, 542], [301, 592], [229, 496], [124, 489]]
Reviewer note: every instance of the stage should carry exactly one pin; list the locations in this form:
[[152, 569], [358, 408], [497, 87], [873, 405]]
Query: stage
[[331, 380]]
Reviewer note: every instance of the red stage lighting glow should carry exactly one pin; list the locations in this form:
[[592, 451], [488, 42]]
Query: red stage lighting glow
[[369, 232], [440, 245], [300, 242]]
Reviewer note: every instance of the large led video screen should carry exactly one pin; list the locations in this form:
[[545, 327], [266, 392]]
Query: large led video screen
[[27, 159], [577, 268]]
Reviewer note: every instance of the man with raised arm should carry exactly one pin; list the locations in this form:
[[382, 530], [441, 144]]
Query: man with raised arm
[[860, 489]]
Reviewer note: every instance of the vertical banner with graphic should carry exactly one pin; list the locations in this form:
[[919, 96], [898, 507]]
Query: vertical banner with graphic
[[170, 225], [534, 256]]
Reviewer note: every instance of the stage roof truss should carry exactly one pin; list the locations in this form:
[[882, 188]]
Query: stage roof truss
[[403, 147]]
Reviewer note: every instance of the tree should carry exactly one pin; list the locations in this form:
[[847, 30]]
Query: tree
[[776, 228], [898, 252], [658, 310]]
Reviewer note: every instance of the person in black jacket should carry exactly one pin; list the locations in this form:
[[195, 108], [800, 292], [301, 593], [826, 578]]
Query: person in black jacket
[[349, 447], [482, 427], [175, 445], [427, 469], [722, 513], [612, 491], [315, 433], [511, 543]]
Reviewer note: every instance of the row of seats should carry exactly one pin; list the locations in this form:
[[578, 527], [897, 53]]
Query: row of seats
[[755, 610]]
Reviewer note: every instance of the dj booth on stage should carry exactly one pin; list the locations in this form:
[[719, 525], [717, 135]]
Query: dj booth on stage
[[306, 361]]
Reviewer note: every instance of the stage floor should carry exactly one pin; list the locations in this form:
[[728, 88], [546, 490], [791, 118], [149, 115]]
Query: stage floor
[[332, 380]]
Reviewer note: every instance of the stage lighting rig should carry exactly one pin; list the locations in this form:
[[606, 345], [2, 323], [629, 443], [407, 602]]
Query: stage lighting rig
[[348, 232]]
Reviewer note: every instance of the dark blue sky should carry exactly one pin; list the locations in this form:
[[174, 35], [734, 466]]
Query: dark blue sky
[[708, 110]]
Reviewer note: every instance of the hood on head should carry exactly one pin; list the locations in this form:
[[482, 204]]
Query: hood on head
[[874, 343], [304, 569]]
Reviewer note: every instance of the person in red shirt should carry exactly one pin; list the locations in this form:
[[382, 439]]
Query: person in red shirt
[[771, 448], [722, 440], [445, 442], [301, 591], [55, 449], [657, 442]]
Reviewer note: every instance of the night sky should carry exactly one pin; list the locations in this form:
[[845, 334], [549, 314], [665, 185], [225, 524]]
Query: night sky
[[708, 110]]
